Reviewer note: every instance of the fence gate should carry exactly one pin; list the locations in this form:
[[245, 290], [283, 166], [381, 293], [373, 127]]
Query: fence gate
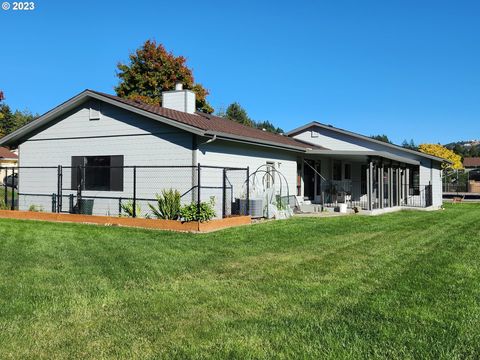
[[235, 190]]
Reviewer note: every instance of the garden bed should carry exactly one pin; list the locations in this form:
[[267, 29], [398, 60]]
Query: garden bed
[[173, 225]]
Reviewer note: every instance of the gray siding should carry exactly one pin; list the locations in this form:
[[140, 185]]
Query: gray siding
[[142, 141], [228, 154]]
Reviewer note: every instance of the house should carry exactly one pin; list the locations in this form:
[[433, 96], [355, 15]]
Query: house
[[471, 163], [472, 168], [116, 141], [8, 161]]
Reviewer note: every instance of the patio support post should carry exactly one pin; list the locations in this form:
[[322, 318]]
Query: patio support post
[[393, 187], [399, 187], [389, 189], [369, 183], [380, 185], [407, 184]]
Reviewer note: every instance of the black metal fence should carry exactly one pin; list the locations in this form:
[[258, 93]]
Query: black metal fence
[[461, 181], [122, 190], [354, 194]]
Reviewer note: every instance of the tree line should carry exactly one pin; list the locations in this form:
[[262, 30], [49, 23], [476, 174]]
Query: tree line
[[12, 120]]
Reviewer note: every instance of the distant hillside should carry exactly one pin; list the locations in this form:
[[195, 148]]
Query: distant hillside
[[469, 148]]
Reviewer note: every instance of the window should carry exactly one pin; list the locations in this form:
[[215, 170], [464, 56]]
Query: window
[[337, 170], [99, 173], [348, 172]]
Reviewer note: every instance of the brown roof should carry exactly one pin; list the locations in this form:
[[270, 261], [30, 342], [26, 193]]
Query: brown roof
[[471, 162], [213, 123], [7, 154]]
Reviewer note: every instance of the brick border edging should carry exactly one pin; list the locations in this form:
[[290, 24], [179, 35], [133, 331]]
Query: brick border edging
[[172, 225]]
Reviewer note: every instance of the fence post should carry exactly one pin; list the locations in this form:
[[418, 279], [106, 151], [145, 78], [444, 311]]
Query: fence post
[[224, 193], [70, 205], [134, 210], [59, 189], [119, 206], [5, 188], [13, 189], [54, 204], [248, 191], [79, 189], [198, 187]]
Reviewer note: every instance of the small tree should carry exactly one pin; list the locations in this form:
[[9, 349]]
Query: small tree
[[382, 137], [409, 145], [237, 113], [268, 126], [9, 121], [152, 70], [444, 153]]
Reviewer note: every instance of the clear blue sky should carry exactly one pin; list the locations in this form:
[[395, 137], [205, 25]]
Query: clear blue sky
[[409, 69]]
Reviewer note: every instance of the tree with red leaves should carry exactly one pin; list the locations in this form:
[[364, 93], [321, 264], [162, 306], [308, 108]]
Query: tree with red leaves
[[152, 70]]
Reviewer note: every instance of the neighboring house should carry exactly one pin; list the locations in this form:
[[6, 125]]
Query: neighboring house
[[321, 164], [8, 161], [472, 168], [471, 163]]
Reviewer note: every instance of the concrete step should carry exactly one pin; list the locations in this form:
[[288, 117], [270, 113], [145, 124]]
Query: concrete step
[[310, 208]]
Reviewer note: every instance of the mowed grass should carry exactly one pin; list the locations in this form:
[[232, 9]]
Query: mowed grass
[[402, 285]]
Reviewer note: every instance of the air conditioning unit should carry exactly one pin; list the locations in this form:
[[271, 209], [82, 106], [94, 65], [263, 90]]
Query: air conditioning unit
[[255, 207]]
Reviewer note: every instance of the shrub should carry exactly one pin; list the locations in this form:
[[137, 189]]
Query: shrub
[[192, 212], [36, 208], [168, 205], [127, 208], [3, 206]]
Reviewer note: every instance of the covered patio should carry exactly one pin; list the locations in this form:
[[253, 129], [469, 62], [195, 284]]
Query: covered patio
[[366, 180]]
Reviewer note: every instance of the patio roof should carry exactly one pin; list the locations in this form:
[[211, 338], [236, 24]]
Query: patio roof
[[363, 155]]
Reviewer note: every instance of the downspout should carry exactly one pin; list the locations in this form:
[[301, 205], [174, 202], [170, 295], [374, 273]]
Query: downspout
[[194, 163], [209, 141]]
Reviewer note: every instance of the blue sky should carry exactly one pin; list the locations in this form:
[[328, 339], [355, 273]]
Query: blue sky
[[409, 69]]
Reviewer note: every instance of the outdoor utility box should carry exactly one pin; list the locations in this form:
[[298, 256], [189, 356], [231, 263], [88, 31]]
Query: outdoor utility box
[[256, 207], [85, 208]]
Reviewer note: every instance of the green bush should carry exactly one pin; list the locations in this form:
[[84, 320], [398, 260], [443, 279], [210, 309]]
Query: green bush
[[192, 212], [127, 208], [3, 206], [168, 205], [36, 208]]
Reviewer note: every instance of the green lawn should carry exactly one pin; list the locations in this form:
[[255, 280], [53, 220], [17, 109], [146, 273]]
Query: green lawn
[[404, 285]]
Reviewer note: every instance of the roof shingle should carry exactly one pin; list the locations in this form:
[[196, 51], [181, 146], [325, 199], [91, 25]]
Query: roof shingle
[[471, 162], [7, 154], [214, 123]]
